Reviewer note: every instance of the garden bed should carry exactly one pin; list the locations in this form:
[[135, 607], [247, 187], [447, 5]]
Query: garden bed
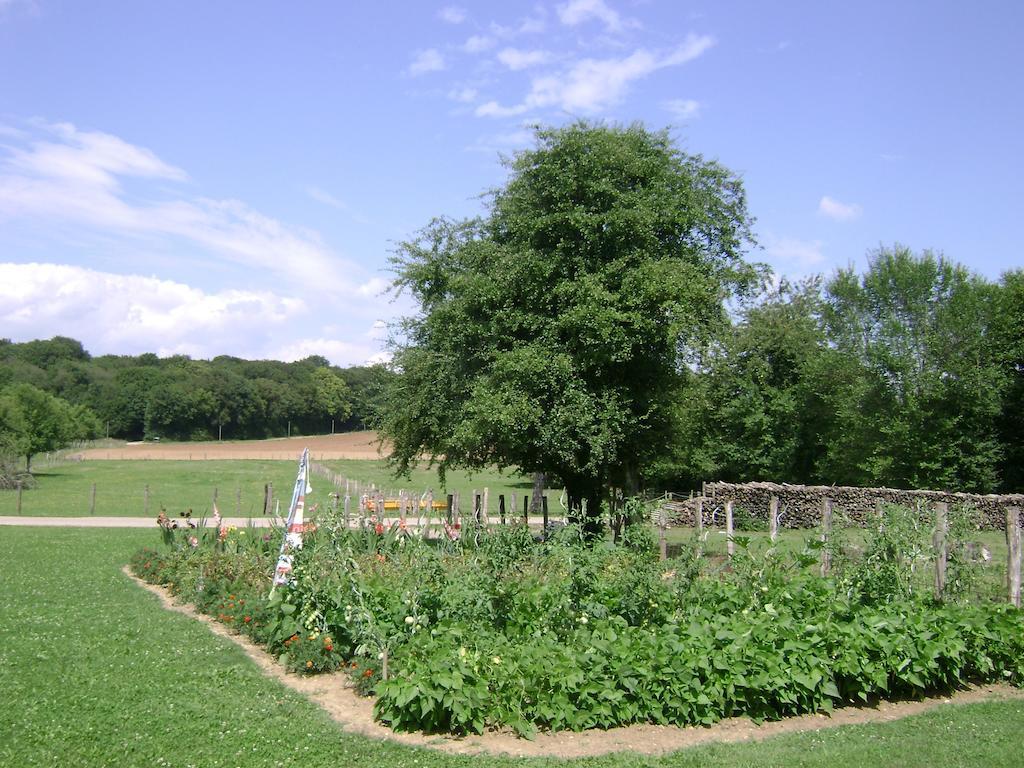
[[502, 632]]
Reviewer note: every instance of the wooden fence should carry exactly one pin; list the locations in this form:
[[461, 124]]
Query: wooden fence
[[814, 506]]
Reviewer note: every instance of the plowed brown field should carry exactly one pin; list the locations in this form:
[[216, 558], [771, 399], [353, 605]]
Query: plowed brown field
[[347, 445]]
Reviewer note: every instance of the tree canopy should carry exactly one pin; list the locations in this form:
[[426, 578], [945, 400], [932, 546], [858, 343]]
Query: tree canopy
[[554, 330]]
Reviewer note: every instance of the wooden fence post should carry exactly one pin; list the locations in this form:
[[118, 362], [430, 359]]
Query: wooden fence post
[[826, 534], [268, 498], [699, 514], [476, 507], [92, 500], [487, 505], [501, 508], [773, 518], [730, 545], [544, 512], [1013, 554], [19, 496], [941, 546], [526, 510], [145, 501], [662, 541], [453, 508]]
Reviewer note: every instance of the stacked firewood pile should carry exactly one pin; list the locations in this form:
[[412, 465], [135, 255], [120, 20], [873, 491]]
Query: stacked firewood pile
[[800, 506]]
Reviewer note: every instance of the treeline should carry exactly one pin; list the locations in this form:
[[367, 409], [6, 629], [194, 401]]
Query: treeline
[[145, 396], [910, 375]]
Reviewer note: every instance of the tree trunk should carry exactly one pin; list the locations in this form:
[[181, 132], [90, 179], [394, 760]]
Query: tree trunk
[[539, 479], [585, 496]]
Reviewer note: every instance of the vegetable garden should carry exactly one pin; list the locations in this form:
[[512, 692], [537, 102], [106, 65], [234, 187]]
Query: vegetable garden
[[500, 629]]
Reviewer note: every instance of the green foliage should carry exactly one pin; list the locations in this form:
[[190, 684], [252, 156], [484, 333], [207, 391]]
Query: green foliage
[[180, 398], [559, 634], [553, 331], [926, 388], [33, 421]]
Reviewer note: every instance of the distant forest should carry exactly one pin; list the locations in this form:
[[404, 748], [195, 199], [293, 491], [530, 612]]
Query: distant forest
[[910, 375], [145, 396]]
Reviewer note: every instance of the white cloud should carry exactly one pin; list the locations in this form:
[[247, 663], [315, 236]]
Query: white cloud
[[339, 352], [452, 14], [464, 95], [838, 211], [75, 177], [478, 44], [503, 142], [594, 84], [682, 109], [327, 198], [794, 253], [533, 25], [373, 288], [121, 314], [426, 61], [577, 12], [516, 59]]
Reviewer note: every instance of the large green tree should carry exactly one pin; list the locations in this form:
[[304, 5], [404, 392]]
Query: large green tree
[[920, 393], [554, 330], [1008, 339], [749, 412]]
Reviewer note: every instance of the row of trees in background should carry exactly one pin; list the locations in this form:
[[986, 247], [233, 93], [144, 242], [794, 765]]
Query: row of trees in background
[[910, 375], [600, 323], [145, 396]]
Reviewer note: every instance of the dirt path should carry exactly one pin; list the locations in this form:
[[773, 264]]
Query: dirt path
[[345, 445], [354, 713]]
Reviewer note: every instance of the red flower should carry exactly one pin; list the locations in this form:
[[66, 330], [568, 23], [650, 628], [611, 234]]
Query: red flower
[[247, 619], [379, 529]]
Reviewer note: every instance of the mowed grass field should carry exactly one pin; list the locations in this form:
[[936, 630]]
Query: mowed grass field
[[66, 489], [96, 673]]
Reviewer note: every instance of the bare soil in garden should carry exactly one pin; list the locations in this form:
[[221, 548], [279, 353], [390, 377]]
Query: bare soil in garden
[[344, 445], [335, 694]]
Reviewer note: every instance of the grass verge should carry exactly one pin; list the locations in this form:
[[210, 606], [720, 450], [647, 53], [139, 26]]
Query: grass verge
[[66, 489]]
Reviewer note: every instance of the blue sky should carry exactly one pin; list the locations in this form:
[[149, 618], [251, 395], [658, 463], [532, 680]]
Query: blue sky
[[230, 178]]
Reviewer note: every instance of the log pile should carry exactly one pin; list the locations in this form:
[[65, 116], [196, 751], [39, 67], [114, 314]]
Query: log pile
[[800, 506]]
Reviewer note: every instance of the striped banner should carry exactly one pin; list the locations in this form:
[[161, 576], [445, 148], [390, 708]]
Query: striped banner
[[294, 526]]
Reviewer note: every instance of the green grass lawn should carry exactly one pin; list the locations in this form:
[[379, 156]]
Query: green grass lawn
[[96, 673], [66, 489]]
